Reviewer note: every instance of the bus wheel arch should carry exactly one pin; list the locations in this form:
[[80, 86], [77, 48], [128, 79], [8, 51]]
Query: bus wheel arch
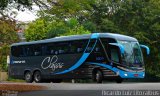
[[119, 80], [97, 75], [37, 77], [28, 76]]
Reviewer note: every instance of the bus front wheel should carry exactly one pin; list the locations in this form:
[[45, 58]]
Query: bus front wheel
[[37, 77], [28, 77], [98, 76]]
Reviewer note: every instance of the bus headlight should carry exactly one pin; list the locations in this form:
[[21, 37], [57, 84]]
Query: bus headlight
[[143, 75], [125, 74]]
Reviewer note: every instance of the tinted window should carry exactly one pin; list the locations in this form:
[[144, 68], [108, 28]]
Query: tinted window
[[50, 49], [91, 45], [78, 46], [108, 49], [57, 48], [106, 41], [33, 50], [17, 51], [114, 54], [70, 47], [37, 50], [98, 47], [62, 48]]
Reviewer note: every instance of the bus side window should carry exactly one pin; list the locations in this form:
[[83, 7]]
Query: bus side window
[[29, 51], [73, 48], [56, 52], [89, 49], [79, 50], [37, 50], [63, 48], [106, 42], [91, 45], [17, 51], [114, 55], [57, 48], [50, 49], [79, 46], [97, 48]]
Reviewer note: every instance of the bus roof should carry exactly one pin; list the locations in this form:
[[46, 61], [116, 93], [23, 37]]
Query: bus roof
[[79, 37]]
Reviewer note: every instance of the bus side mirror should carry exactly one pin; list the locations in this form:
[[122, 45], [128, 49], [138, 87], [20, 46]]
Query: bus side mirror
[[146, 49], [120, 46]]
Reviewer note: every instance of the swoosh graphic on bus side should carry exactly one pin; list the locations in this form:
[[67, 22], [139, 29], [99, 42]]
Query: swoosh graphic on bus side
[[80, 62], [120, 72], [84, 56]]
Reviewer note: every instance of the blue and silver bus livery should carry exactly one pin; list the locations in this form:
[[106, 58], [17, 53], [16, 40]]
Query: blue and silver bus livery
[[97, 56]]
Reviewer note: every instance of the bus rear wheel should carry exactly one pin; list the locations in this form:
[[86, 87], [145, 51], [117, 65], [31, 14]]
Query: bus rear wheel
[[98, 76], [28, 77], [37, 77]]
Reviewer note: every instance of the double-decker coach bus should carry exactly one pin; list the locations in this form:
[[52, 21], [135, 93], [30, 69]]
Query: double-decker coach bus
[[96, 56]]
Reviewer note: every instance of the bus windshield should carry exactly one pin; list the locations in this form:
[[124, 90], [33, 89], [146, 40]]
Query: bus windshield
[[132, 56]]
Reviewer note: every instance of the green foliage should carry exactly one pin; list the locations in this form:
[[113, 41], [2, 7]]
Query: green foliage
[[64, 28], [75, 28], [15, 80], [25, 3], [57, 28], [66, 9], [7, 32], [76, 31], [36, 30], [3, 4], [7, 37], [3, 57], [89, 26], [41, 29]]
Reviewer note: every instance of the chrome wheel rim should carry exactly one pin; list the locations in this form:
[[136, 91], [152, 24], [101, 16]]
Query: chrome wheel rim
[[28, 76]]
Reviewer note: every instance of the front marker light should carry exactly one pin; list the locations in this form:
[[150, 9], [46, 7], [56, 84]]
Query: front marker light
[[143, 75], [125, 74]]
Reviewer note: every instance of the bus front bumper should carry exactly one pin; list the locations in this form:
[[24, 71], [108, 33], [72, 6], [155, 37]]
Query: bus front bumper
[[124, 74]]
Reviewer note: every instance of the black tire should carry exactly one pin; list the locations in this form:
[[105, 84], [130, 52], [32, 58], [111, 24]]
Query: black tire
[[98, 76], [120, 80], [57, 80], [28, 77], [37, 77]]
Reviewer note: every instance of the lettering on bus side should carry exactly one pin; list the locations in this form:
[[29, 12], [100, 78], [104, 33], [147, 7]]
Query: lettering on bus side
[[23, 61], [99, 58], [51, 62]]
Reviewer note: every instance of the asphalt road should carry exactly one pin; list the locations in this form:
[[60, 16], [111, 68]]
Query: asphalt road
[[105, 86], [83, 89]]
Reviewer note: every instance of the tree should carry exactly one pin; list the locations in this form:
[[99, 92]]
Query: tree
[[41, 29], [36, 30], [21, 4], [7, 37], [66, 9], [69, 16], [7, 32]]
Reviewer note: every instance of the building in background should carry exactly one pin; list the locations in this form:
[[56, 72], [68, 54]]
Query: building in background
[[21, 26]]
